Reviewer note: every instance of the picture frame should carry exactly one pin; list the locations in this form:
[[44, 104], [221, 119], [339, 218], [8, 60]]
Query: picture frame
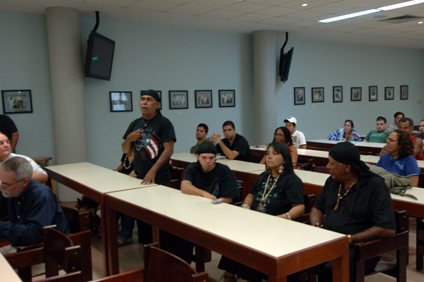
[[317, 94], [373, 93], [142, 92], [120, 101], [355, 94], [178, 99], [337, 94], [389, 93], [227, 98], [299, 95], [203, 98], [404, 92], [17, 101]]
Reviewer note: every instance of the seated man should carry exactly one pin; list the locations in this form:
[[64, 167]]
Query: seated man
[[234, 146], [407, 124], [354, 201], [298, 138], [399, 158], [208, 179], [29, 204], [393, 126], [201, 133], [421, 129], [380, 135], [6, 152]]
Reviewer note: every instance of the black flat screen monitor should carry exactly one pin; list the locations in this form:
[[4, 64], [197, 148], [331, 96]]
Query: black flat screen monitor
[[98, 63], [285, 62]]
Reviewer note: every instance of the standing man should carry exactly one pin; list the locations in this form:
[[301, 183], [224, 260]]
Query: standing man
[[201, 133], [354, 201], [29, 204], [298, 138], [234, 146], [207, 179], [8, 128], [380, 135], [407, 124], [393, 126], [153, 138]]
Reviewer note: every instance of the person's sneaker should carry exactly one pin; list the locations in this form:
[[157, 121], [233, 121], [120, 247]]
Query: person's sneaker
[[124, 241], [225, 278]]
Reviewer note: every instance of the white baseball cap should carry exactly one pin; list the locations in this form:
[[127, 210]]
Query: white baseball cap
[[291, 120]]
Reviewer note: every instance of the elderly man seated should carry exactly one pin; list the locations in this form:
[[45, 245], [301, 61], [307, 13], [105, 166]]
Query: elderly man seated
[[354, 201], [6, 152], [29, 204]]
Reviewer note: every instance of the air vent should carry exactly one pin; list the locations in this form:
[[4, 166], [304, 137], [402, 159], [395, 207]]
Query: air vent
[[402, 19]]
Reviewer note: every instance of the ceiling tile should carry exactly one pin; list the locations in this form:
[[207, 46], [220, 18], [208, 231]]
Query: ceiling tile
[[152, 5], [252, 18], [246, 7], [222, 14]]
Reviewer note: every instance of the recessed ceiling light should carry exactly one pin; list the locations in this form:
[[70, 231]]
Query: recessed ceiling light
[[420, 22], [304, 5], [348, 16]]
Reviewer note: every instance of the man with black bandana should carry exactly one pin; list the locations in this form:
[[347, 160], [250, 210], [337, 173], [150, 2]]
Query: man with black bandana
[[354, 201], [208, 179], [153, 137]]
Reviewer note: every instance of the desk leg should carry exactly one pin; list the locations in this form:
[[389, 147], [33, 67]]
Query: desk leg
[[110, 241], [341, 268]]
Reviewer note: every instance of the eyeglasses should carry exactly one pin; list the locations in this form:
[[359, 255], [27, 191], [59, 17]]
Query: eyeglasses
[[391, 140], [2, 142], [5, 186], [279, 135]]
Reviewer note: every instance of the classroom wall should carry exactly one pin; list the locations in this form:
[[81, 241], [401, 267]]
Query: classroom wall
[[165, 58]]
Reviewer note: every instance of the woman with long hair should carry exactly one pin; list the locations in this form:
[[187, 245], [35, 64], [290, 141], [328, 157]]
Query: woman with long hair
[[399, 158], [278, 192], [347, 133], [282, 134]]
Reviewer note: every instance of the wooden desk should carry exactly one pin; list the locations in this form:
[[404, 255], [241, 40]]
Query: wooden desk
[[94, 182], [363, 147], [274, 246], [7, 272]]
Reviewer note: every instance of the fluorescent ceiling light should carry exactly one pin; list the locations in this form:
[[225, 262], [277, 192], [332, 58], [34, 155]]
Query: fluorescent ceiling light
[[348, 16], [401, 5]]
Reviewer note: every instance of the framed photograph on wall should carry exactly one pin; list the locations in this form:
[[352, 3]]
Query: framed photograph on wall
[[373, 93], [142, 92], [404, 92], [317, 94], [16, 101], [203, 98], [337, 94], [227, 98], [121, 101], [299, 95], [356, 94], [178, 99], [389, 93]]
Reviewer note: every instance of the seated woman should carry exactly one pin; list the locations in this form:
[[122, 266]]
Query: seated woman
[[347, 133], [399, 158], [277, 191], [282, 134]]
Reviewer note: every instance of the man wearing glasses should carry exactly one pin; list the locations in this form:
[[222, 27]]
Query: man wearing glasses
[[6, 152], [29, 204]]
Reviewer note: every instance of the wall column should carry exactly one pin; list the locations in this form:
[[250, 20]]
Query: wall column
[[265, 70], [67, 83]]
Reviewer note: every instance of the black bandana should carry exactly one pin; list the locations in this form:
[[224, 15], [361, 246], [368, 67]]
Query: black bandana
[[206, 148]]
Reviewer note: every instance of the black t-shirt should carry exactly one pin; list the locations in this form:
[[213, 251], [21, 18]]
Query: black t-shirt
[[150, 146], [287, 191], [367, 204], [7, 126], [240, 145], [220, 182]]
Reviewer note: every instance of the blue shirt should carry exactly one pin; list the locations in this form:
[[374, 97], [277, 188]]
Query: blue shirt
[[35, 208], [405, 166]]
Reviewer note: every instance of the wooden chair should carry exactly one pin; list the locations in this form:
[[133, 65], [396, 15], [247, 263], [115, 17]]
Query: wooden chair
[[398, 243], [159, 266], [58, 251], [177, 175], [45, 161], [309, 201], [376, 248]]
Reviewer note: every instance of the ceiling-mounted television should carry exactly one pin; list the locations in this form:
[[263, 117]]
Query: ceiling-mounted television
[[285, 62], [98, 63]]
